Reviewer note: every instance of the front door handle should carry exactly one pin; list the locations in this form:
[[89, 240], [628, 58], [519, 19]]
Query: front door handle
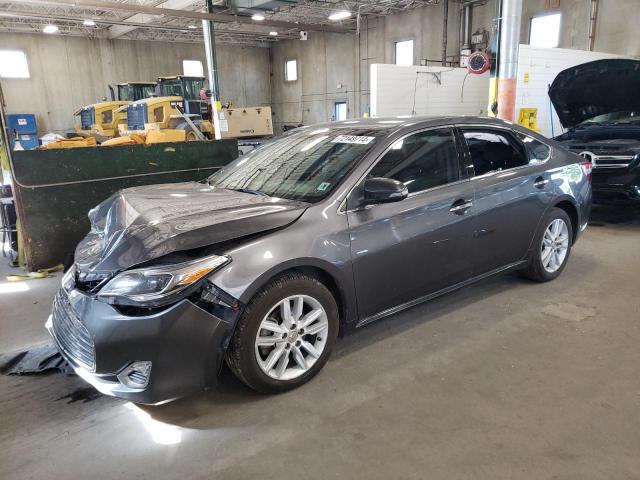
[[540, 182], [459, 207]]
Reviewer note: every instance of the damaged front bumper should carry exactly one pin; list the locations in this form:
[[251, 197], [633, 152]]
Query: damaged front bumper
[[149, 358]]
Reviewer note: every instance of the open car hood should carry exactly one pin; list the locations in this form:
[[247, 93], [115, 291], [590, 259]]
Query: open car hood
[[139, 224], [595, 88]]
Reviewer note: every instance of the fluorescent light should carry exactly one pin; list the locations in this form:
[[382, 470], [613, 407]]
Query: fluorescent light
[[89, 23], [257, 17], [273, 34], [341, 15], [50, 29], [192, 27]]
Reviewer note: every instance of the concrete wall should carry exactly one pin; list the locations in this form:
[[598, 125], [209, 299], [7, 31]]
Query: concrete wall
[[68, 72], [326, 74], [616, 26], [310, 99]]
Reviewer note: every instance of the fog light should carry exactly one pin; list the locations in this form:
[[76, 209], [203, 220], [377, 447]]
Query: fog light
[[136, 375]]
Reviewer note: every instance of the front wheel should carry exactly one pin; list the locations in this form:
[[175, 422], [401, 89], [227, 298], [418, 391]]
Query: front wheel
[[285, 335], [552, 247]]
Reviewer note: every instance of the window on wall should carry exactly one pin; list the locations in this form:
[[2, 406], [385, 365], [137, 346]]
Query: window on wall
[[192, 68], [291, 70], [404, 52], [544, 31], [340, 111], [13, 64]]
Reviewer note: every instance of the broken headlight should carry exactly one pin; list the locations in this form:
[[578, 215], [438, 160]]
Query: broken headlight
[[159, 285]]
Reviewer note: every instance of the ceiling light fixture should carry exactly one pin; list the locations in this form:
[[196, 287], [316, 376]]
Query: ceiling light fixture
[[257, 17], [273, 34], [89, 23], [50, 29], [341, 15]]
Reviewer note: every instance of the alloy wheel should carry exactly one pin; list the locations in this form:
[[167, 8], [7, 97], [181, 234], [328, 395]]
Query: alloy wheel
[[291, 337], [555, 244]]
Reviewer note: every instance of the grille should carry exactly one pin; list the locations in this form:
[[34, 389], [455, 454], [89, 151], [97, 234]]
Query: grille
[[136, 116], [612, 161], [605, 156], [87, 118], [70, 334]]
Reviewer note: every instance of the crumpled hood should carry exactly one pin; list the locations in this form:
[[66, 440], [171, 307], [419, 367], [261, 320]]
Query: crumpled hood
[[139, 224], [595, 88]]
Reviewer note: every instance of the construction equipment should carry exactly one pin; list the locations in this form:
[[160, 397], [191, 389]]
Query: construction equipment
[[184, 104], [189, 89], [164, 113], [101, 120], [179, 106], [132, 91]]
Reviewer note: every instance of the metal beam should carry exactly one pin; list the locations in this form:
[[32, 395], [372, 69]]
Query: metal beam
[[215, 17], [18, 14]]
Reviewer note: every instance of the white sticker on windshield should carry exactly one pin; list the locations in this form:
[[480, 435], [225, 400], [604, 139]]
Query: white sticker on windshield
[[361, 140], [323, 186]]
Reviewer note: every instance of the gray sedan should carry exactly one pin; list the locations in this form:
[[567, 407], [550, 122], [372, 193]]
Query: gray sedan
[[323, 230]]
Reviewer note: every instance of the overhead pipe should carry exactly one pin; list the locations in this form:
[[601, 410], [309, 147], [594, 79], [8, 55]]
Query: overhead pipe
[[593, 16], [510, 21], [445, 18], [466, 44]]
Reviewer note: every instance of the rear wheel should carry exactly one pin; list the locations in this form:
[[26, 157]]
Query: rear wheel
[[285, 335], [552, 247]]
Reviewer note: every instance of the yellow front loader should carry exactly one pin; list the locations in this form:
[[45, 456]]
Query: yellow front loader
[[164, 114], [101, 119]]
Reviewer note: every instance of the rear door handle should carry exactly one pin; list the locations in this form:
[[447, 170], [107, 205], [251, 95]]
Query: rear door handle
[[460, 206], [540, 182]]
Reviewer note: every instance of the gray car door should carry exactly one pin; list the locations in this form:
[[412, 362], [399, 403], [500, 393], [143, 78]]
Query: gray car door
[[405, 250], [511, 194]]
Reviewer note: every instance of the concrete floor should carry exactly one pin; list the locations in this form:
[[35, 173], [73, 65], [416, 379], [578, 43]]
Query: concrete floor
[[506, 379]]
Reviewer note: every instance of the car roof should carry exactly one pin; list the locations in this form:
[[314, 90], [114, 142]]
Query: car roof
[[401, 122]]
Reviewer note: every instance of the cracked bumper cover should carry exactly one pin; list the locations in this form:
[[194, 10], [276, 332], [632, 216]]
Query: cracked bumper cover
[[184, 343]]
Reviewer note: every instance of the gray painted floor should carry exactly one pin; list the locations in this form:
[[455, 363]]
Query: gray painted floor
[[507, 379]]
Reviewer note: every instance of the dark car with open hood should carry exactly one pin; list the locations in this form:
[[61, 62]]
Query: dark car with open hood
[[323, 230], [599, 103]]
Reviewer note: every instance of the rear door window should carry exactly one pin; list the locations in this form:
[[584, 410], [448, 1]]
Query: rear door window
[[421, 161], [494, 150], [537, 152]]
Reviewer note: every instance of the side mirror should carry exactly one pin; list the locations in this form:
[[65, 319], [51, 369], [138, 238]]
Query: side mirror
[[384, 190]]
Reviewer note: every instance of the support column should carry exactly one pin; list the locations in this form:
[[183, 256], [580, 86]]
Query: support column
[[212, 70], [510, 21]]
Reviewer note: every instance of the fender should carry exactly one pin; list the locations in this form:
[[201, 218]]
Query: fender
[[345, 288]]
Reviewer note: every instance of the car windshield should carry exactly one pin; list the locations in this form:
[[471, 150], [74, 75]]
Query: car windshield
[[615, 118], [305, 165]]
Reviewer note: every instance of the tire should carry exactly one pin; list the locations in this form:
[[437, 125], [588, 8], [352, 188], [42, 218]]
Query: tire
[[251, 362], [539, 269]]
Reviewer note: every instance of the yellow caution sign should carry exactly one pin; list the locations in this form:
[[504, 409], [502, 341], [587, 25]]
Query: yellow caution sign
[[528, 117]]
